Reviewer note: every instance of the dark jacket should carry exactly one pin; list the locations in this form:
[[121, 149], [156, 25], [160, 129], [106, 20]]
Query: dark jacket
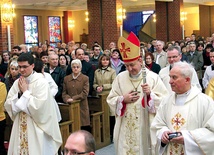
[[206, 58], [154, 67], [94, 63], [58, 76], [196, 60]]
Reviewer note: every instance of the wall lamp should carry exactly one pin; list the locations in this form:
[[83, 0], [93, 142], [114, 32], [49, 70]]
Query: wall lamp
[[7, 11]]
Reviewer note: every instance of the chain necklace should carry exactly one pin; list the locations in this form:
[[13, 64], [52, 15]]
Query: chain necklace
[[135, 88]]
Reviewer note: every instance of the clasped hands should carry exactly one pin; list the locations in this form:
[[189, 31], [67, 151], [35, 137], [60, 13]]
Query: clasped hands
[[99, 89], [22, 84], [70, 100], [133, 95]]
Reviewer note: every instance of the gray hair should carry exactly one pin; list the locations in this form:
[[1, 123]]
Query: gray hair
[[76, 61], [52, 54], [177, 48], [186, 69], [160, 41]]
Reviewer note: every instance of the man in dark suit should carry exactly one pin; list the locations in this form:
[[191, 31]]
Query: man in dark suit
[[57, 74], [194, 57]]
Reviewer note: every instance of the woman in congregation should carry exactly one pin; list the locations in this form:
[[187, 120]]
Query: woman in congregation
[[63, 62], [150, 64], [116, 61], [104, 75], [12, 73], [76, 87]]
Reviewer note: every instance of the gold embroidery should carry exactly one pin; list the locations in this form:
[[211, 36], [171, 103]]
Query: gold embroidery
[[131, 137], [176, 149], [177, 121], [23, 134]]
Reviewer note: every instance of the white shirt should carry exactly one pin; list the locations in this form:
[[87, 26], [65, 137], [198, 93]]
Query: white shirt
[[208, 74]]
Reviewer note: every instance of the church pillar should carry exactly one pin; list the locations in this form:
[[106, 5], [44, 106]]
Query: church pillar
[[168, 24], [102, 25], [67, 31]]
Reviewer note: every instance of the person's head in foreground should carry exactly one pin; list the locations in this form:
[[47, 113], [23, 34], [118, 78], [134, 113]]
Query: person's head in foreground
[[80, 142], [180, 77]]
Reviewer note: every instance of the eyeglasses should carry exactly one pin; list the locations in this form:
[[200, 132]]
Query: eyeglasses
[[24, 67], [172, 57], [69, 152]]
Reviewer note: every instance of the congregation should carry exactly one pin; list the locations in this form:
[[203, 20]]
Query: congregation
[[75, 71]]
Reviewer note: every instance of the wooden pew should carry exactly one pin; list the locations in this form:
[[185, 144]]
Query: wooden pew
[[70, 122], [100, 120], [64, 129], [97, 126], [71, 112]]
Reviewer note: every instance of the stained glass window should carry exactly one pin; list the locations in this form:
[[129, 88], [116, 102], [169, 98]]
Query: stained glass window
[[31, 29], [54, 30]]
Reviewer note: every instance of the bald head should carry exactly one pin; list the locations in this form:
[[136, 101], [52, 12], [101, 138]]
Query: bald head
[[81, 141]]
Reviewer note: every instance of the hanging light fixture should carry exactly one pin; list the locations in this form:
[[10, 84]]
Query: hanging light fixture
[[7, 11]]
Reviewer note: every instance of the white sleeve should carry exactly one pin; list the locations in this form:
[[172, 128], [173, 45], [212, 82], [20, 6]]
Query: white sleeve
[[190, 146], [159, 136], [119, 105], [15, 109], [205, 79], [22, 103], [52, 84], [195, 80], [151, 106]]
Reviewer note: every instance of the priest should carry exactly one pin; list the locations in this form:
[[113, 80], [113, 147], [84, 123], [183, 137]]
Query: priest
[[127, 100], [30, 105], [184, 124]]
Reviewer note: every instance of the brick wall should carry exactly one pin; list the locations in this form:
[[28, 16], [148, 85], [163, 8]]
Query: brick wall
[[161, 20], [102, 24], [3, 36], [175, 29], [168, 26]]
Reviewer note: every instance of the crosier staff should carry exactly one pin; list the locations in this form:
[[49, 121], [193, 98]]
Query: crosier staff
[[146, 111]]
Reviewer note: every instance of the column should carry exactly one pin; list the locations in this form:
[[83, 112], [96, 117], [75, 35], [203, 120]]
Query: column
[[102, 24], [67, 32], [168, 24]]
